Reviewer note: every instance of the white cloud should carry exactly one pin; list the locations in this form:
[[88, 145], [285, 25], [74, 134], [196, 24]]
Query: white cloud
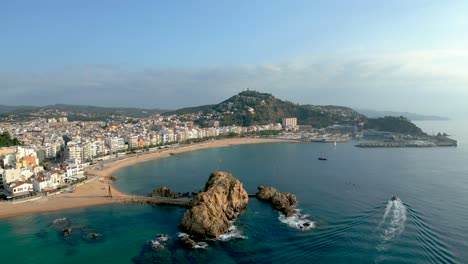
[[432, 81]]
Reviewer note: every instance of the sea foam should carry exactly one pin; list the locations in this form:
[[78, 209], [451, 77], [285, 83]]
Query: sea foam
[[199, 245], [232, 233], [158, 242], [298, 221]]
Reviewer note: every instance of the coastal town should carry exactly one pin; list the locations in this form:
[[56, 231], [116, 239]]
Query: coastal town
[[55, 154]]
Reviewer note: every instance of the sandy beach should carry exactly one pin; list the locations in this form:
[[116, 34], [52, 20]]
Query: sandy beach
[[88, 194], [95, 191]]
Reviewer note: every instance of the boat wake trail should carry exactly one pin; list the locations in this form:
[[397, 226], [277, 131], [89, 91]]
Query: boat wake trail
[[393, 222]]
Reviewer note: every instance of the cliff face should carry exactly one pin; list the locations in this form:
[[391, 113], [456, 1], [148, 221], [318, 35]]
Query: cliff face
[[223, 198], [280, 201]]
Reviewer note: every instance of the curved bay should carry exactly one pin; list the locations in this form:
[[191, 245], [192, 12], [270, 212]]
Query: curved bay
[[346, 196]]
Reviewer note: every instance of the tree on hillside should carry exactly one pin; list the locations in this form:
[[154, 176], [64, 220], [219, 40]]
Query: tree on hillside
[[7, 141]]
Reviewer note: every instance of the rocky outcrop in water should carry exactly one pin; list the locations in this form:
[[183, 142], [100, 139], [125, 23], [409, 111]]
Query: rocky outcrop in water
[[280, 201], [187, 242], [163, 192], [212, 210]]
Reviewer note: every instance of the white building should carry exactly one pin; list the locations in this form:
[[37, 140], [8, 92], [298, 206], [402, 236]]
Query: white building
[[166, 136], [289, 123], [41, 183], [115, 144], [88, 151], [132, 141], [74, 169], [51, 150], [11, 175], [56, 178], [73, 151], [98, 148], [22, 152], [19, 188], [26, 174], [9, 159]]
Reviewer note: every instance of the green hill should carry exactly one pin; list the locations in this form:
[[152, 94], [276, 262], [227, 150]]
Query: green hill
[[394, 124], [255, 108]]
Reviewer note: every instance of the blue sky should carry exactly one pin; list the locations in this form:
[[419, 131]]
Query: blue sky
[[181, 53]]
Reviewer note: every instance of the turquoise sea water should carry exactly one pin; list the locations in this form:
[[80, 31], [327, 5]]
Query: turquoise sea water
[[347, 197]]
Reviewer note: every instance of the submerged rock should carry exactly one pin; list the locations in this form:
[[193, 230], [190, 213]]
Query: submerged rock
[[159, 242], [212, 210], [67, 232], [280, 201]]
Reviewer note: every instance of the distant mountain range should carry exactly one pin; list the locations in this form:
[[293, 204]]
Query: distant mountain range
[[411, 116], [74, 112], [6, 109]]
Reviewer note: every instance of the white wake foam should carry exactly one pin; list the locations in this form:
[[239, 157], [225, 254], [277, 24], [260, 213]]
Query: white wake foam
[[60, 221], [298, 221], [232, 233], [388, 208], [393, 222]]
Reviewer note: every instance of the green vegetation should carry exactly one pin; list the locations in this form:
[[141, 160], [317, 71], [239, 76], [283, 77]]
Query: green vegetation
[[265, 108], [255, 108], [394, 124], [7, 141]]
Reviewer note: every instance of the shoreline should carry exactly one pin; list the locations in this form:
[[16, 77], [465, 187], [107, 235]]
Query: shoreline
[[94, 192], [114, 166]]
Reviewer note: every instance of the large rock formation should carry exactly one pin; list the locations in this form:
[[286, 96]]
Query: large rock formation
[[163, 192], [223, 198], [280, 201]]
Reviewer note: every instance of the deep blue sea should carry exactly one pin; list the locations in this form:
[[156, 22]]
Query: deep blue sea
[[347, 197]]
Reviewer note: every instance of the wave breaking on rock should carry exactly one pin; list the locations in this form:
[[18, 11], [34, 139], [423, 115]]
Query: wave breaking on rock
[[280, 201], [298, 221], [233, 233]]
